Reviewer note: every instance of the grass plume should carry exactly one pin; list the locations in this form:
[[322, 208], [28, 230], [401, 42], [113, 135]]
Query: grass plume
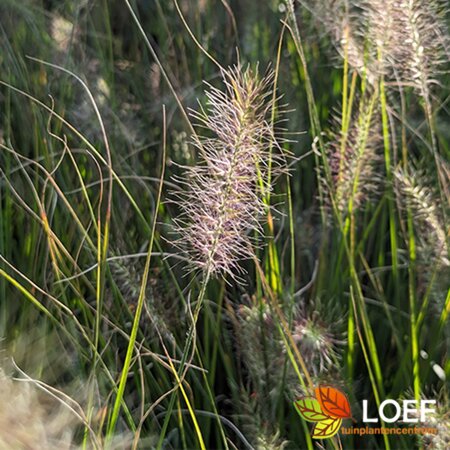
[[223, 204]]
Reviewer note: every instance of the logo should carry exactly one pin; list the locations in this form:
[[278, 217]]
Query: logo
[[403, 411], [327, 410], [330, 406]]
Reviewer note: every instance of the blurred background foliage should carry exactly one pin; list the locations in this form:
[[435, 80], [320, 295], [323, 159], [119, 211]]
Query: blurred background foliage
[[48, 231]]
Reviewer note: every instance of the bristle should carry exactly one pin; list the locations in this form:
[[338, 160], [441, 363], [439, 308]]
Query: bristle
[[409, 39], [353, 158], [413, 192], [404, 40], [223, 202]]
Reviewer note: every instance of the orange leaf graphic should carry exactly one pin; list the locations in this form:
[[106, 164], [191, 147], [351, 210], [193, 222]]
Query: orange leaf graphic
[[333, 402], [326, 428]]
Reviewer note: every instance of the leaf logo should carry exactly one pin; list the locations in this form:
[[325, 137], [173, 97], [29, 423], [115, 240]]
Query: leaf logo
[[326, 410], [333, 402], [326, 428]]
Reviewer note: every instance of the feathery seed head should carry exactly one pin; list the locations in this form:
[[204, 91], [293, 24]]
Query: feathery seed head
[[258, 422], [353, 158], [316, 343], [405, 40], [127, 274], [266, 441], [343, 25], [223, 200], [431, 230], [440, 420], [318, 337], [316, 334], [258, 342], [409, 39]]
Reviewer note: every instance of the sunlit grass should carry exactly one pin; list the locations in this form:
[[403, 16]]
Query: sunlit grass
[[339, 265]]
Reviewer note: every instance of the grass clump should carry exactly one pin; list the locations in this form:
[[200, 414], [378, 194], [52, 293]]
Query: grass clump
[[179, 264]]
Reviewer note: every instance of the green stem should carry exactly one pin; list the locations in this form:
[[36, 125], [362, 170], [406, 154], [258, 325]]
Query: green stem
[[140, 303], [183, 360]]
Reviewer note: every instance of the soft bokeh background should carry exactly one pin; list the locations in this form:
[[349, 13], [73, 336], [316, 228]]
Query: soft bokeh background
[[53, 191]]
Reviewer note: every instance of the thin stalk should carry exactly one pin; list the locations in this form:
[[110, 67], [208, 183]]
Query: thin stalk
[[368, 364], [184, 358], [316, 129], [141, 298], [412, 308], [388, 165]]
